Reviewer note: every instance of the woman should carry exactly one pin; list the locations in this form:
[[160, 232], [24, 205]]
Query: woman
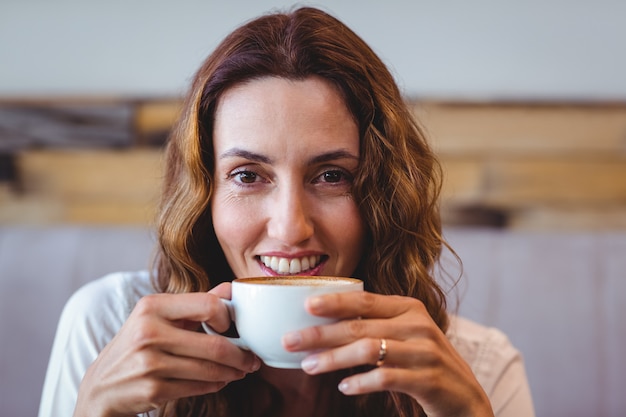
[[294, 154]]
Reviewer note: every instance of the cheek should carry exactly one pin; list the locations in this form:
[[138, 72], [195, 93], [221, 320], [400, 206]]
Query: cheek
[[234, 226], [348, 229]]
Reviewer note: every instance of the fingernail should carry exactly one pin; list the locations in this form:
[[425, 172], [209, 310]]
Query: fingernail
[[309, 363], [292, 339], [256, 365], [315, 303], [344, 387]]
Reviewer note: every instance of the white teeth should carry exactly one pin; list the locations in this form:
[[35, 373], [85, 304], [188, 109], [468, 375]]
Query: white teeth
[[274, 263], [291, 266], [304, 264], [295, 266], [283, 265]]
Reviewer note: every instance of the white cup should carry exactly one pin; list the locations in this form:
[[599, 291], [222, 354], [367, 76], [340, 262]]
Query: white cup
[[266, 308]]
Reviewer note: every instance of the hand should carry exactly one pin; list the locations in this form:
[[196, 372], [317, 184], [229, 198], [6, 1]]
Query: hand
[[420, 360], [158, 356]]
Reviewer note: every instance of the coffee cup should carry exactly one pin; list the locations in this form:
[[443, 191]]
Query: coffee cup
[[266, 308]]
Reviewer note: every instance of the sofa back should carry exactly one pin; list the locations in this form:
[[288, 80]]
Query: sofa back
[[561, 298]]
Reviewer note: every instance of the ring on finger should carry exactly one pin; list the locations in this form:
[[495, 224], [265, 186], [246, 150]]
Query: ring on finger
[[382, 352]]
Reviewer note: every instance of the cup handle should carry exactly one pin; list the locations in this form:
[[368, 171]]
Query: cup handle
[[237, 341]]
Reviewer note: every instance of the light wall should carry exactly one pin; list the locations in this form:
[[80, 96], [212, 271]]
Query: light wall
[[452, 49]]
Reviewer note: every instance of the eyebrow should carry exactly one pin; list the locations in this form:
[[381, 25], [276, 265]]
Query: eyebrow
[[332, 156], [242, 153], [318, 159]]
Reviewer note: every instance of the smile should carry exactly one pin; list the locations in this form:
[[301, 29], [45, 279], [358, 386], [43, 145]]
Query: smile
[[291, 266]]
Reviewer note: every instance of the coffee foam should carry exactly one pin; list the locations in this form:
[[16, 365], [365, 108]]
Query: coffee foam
[[299, 281]]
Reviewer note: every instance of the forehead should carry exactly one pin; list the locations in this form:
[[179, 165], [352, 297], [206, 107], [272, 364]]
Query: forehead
[[269, 93], [284, 112]]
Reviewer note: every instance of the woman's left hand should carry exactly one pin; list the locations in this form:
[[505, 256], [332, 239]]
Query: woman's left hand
[[420, 361]]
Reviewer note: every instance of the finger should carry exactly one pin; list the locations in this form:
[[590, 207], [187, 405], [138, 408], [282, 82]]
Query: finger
[[361, 304], [347, 331], [409, 355], [184, 343], [223, 290], [164, 366], [340, 333], [447, 389], [184, 389], [156, 393], [385, 379], [361, 352], [217, 349], [196, 307]]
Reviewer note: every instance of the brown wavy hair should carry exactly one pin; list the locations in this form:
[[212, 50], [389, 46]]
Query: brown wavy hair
[[396, 187]]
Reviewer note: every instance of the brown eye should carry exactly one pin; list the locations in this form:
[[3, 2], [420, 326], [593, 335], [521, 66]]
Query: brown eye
[[333, 176], [246, 177]]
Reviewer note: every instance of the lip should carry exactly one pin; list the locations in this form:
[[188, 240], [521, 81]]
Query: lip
[[311, 272]]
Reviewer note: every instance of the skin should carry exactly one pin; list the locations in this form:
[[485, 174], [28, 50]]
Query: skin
[[155, 358], [286, 152], [420, 360]]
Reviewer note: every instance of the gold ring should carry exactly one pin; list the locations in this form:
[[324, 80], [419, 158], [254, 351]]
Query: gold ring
[[382, 352]]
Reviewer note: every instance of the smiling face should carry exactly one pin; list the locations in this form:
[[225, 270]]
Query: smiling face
[[285, 155]]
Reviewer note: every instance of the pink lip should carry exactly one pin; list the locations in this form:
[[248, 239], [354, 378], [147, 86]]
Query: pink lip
[[292, 255]]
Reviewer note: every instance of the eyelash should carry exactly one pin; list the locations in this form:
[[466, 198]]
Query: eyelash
[[237, 177], [345, 176]]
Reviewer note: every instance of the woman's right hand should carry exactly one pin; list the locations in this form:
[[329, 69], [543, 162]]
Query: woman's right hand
[[158, 356]]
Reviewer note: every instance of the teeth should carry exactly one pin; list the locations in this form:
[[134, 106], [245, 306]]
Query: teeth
[[283, 265], [273, 263], [295, 266], [290, 266]]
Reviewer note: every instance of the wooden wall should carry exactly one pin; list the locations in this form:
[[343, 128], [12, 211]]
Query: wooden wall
[[515, 165], [538, 166]]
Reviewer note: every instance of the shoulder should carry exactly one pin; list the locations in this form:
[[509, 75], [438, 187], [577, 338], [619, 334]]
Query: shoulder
[[487, 350], [90, 319], [468, 335], [99, 308], [120, 288], [497, 365]]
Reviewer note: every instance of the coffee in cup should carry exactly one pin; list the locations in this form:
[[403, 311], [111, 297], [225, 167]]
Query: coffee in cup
[[266, 308]]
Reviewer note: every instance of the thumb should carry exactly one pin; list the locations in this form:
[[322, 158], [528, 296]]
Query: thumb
[[223, 290]]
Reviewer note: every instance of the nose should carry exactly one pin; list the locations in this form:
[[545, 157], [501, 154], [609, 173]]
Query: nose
[[290, 219]]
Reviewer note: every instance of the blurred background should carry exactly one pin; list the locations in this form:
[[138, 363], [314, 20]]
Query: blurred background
[[525, 102]]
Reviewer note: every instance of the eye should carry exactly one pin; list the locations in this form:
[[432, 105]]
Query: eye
[[245, 177], [334, 176]]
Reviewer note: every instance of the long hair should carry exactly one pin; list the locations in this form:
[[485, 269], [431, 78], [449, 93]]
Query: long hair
[[396, 187]]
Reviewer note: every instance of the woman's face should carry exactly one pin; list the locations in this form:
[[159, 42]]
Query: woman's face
[[285, 156]]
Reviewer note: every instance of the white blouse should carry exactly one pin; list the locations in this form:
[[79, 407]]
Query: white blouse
[[96, 312]]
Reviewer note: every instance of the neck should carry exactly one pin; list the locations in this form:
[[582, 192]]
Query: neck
[[301, 394], [291, 382]]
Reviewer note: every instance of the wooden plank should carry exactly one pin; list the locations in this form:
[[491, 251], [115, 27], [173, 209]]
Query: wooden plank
[[76, 125], [87, 175], [121, 212], [463, 180], [20, 208], [156, 116], [44, 210], [568, 218], [523, 129], [154, 121], [525, 182]]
